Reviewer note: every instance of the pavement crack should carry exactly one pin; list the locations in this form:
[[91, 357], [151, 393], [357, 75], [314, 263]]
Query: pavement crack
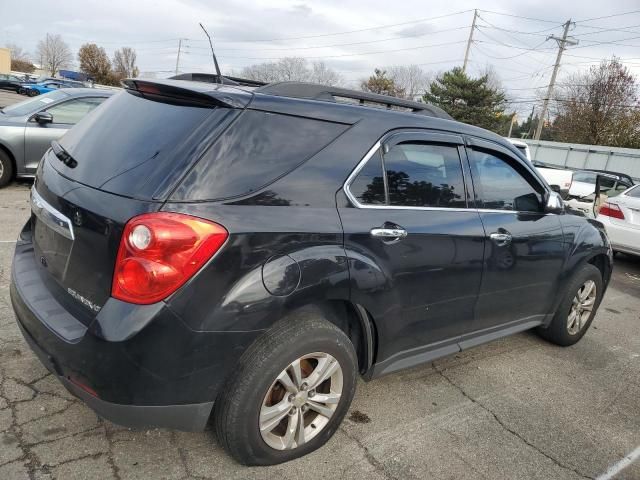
[[369, 457], [110, 460], [506, 427]]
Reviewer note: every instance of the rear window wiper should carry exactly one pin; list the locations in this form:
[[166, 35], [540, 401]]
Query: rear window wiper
[[63, 155]]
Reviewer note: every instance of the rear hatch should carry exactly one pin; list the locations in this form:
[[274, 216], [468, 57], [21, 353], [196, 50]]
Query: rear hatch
[[120, 161]]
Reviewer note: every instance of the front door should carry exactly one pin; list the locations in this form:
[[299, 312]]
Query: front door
[[524, 249], [415, 250], [38, 137]]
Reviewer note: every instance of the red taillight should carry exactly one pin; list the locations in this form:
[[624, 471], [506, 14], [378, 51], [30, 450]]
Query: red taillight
[[159, 252], [611, 210]]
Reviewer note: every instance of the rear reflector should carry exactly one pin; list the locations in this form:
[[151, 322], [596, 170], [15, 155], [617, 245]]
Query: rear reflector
[[159, 252], [611, 210]]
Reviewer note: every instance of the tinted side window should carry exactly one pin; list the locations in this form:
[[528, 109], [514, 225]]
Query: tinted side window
[[424, 175], [368, 186], [499, 186]]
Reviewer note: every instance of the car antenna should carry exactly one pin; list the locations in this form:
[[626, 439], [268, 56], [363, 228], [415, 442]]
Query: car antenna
[[213, 54]]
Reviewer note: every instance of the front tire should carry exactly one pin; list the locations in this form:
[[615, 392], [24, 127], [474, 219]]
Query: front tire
[[6, 169], [290, 392], [577, 309]]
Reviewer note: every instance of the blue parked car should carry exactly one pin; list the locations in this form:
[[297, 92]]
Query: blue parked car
[[48, 86]]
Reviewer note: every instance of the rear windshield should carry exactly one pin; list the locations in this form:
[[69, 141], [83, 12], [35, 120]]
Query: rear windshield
[[252, 153], [634, 192], [131, 145]]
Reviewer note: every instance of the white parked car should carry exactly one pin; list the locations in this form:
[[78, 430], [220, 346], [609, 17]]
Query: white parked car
[[554, 176], [583, 188], [621, 217]]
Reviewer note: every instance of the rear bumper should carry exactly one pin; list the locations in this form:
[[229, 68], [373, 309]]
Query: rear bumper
[[189, 417], [623, 239], [138, 366]]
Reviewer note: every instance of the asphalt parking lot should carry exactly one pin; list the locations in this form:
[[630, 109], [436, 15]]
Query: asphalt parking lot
[[518, 408], [8, 97]]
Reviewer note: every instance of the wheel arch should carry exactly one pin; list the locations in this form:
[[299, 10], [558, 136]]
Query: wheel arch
[[355, 321]]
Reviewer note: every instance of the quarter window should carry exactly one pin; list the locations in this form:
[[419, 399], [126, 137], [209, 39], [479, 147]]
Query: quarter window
[[368, 186], [500, 186]]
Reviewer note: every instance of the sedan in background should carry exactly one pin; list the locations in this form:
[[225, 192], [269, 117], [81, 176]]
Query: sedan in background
[[10, 82], [621, 218], [35, 89], [27, 128]]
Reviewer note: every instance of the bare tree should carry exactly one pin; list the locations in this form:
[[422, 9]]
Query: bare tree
[[18, 53], [53, 53], [124, 63], [412, 80], [321, 73], [292, 69], [20, 61], [600, 106]]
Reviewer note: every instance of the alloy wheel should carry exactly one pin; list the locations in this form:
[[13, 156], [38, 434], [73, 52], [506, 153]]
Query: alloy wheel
[[581, 307], [300, 401]]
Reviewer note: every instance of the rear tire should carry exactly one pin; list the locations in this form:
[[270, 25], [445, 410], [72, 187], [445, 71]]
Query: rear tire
[[577, 309], [6, 169], [32, 93], [280, 385]]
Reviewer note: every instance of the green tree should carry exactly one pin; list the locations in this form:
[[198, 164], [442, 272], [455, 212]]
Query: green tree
[[380, 83], [469, 100]]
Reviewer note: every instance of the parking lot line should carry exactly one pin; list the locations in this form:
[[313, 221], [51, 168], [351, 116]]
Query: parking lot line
[[617, 467]]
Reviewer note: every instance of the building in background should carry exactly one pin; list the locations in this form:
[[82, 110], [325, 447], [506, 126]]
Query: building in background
[[5, 60]]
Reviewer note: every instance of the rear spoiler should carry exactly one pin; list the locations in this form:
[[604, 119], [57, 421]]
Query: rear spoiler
[[166, 92]]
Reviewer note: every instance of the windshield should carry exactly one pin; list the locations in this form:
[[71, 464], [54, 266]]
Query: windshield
[[585, 177], [33, 104]]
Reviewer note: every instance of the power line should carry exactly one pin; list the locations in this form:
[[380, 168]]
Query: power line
[[351, 31], [334, 44], [320, 57], [620, 29], [520, 16], [608, 16]]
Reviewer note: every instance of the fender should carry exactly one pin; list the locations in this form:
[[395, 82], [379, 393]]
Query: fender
[[585, 239]]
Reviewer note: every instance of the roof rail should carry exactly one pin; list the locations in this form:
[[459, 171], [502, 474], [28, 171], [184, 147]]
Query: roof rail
[[213, 78], [327, 93]]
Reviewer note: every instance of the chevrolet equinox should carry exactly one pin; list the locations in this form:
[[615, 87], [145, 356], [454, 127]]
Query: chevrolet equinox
[[202, 252]]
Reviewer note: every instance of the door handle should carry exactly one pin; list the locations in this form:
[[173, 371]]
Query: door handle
[[389, 233], [501, 239]]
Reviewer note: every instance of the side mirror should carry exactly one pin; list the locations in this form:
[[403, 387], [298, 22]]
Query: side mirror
[[43, 117], [555, 188], [554, 203]]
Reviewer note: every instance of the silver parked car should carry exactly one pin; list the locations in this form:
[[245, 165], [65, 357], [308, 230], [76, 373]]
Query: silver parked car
[[27, 128]]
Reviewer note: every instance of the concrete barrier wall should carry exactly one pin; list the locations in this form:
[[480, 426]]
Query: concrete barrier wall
[[575, 155]]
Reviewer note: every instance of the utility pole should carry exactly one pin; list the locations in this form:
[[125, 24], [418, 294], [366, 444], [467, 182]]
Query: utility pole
[[466, 53], [513, 119], [562, 45], [178, 57]]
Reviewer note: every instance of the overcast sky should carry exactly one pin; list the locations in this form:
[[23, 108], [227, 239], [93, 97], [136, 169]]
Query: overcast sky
[[378, 33]]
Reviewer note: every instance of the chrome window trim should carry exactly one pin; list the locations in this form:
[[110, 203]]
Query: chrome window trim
[[50, 216], [367, 157]]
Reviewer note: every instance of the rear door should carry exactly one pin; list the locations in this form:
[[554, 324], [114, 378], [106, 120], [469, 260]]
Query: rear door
[[524, 252], [38, 137], [415, 248]]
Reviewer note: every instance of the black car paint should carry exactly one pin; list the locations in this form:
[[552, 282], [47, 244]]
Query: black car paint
[[298, 241]]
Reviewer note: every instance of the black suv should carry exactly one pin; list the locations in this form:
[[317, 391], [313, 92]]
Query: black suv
[[199, 250]]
